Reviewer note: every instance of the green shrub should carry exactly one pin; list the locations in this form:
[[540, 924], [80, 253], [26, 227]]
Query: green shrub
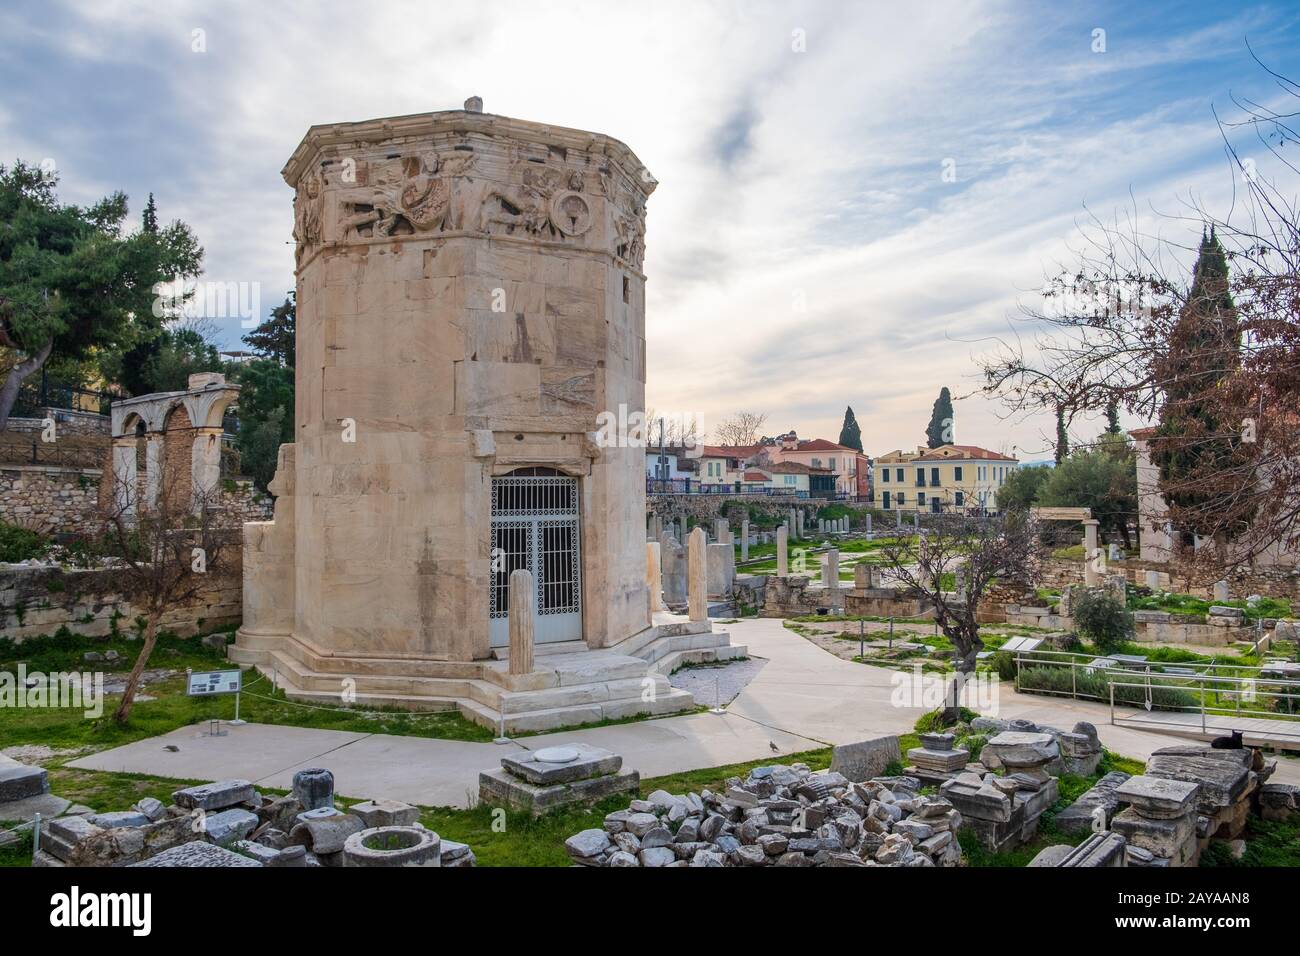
[[1164, 695], [933, 722], [1103, 620], [1004, 662], [20, 544]]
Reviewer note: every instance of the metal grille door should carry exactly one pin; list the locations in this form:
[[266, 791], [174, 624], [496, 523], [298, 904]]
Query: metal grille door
[[535, 526]]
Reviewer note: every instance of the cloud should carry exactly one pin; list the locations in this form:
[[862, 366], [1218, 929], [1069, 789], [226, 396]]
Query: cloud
[[804, 251]]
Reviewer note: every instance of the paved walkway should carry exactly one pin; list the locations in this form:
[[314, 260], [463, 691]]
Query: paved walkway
[[802, 698]]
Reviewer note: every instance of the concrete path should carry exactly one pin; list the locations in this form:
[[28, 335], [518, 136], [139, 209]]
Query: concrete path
[[802, 699]]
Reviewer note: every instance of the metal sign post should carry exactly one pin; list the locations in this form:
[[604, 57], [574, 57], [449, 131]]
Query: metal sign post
[[207, 683]]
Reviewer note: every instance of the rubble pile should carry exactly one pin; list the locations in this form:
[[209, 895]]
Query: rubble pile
[[779, 816]]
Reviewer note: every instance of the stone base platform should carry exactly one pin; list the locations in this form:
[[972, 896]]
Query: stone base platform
[[572, 685]]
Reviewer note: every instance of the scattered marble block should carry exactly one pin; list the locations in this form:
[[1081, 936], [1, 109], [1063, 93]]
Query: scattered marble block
[[937, 759], [385, 813], [1160, 819], [24, 811], [228, 826], [567, 764], [216, 796], [1226, 783], [1081, 749], [1099, 850], [197, 854], [1280, 801], [1023, 753], [19, 781], [120, 818], [556, 777], [866, 759], [1079, 815], [1002, 812]]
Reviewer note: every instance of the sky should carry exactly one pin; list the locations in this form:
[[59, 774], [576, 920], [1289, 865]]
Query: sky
[[856, 200]]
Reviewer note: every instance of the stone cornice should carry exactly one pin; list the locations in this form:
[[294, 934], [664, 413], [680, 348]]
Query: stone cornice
[[325, 136]]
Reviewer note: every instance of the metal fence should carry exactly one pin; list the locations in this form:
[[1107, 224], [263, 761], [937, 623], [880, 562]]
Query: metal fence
[[1201, 697]]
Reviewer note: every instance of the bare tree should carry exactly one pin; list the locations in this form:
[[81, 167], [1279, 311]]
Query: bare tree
[[163, 554], [741, 428], [977, 552], [1112, 330]]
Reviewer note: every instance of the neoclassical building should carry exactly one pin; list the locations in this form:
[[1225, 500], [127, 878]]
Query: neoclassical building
[[470, 299]]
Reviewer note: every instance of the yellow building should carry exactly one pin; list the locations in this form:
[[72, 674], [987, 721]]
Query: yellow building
[[953, 479]]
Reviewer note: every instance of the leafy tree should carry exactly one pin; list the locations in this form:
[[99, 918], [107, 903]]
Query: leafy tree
[[1103, 620], [974, 552], [164, 554], [940, 431], [1062, 436], [70, 282], [850, 433], [1020, 489], [163, 363], [274, 338], [266, 415], [1103, 479]]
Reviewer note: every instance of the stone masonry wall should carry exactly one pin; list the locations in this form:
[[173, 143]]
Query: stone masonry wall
[[39, 600], [47, 499]]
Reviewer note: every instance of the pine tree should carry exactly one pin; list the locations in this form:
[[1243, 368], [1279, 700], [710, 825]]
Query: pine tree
[[940, 431], [850, 433], [149, 220], [1062, 436], [274, 338]]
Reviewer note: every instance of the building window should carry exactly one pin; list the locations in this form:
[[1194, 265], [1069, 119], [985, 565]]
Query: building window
[[898, 475], [920, 498], [790, 479], [901, 498], [959, 499], [920, 477], [934, 477], [956, 474], [884, 475], [887, 499], [831, 464]]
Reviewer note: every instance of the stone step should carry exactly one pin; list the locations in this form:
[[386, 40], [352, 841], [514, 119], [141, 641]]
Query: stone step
[[684, 642], [288, 670], [544, 650], [709, 655], [247, 647], [669, 702]]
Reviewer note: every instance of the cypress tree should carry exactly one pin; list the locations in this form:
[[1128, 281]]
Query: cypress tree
[[1062, 436], [850, 433], [940, 431], [1196, 440]]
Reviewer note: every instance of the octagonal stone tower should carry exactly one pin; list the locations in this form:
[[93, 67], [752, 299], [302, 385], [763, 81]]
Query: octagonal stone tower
[[469, 300]]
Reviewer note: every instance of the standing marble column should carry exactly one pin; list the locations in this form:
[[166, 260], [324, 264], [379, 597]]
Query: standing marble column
[[744, 539], [697, 575], [782, 552], [1091, 573], [153, 465], [722, 531], [205, 466], [798, 521], [831, 570], [654, 576], [124, 476], [792, 524], [868, 524], [521, 621]]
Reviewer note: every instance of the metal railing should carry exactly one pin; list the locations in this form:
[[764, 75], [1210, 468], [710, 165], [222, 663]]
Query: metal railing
[[1216, 689]]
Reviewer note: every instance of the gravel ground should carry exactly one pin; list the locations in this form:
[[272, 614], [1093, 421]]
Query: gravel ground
[[717, 684]]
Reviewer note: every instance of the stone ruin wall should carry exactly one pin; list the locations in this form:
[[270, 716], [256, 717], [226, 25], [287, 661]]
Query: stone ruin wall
[[36, 601]]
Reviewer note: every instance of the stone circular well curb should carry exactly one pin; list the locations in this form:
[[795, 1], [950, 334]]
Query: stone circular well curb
[[415, 847]]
